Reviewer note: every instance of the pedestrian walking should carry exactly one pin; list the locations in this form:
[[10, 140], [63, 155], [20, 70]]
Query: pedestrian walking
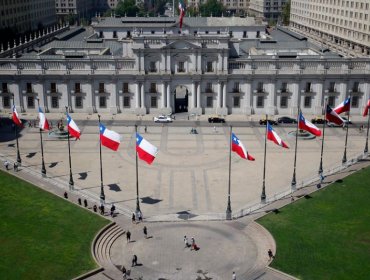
[[112, 209], [102, 209], [79, 201], [192, 243], [133, 219], [234, 276], [214, 129], [15, 166], [85, 202], [145, 129], [65, 195], [186, 241], [124, 272], [140, 216], [134, 260], [95, 208], [128, 236], [270, 254], [145, 230], [6, 165]]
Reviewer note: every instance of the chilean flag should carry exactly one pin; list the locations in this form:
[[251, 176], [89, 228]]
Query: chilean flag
[[308, 126], [109, 138], [73, 128], [182, 9], [15, 117], [367, 107], [344, 106], [146, 151], [272, 136], [238, 147], [44, 124], [332, 116]]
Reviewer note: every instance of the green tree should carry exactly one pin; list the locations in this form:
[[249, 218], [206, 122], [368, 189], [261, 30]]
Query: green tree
[[212, 8], [286, 13], [191, 11], [127, 8]]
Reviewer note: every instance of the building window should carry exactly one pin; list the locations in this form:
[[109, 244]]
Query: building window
[[283, 101], [54, 102], [126, 101], [101, 87], [181, 66], [153, 102], [308, 87], [77, 87], [209, 102], [153, 87], [79, 103], [125, 87], [236, 87], [29, 87], [236, 101], [114, 34], [355, 102], [260, 87], [355, 87], [102, 102], [332, 87], [307, 101], [331, 101], [4, 87], [6, 101], [260, 101], [152, 67], [53, 87], [209, 87], [209, 66], [30, 102], [284, 87]]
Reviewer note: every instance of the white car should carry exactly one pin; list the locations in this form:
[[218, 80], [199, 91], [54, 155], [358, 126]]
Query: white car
[[162, 119]]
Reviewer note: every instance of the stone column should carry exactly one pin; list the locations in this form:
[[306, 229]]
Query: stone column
[[142, 99], [194, 94], [168, 96], [271, 106], [224, 96], [113, 98], [199, 105], [319, 98], [164, 86], [248, 98], [219, 95], [137, 96]]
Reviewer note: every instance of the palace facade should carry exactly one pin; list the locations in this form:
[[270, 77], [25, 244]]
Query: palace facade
[[149, 66]]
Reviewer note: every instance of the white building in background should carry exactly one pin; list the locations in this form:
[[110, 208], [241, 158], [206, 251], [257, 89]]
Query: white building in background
[[342, 25], [77, 8], [267, 9], [24, 16], [147, 66]]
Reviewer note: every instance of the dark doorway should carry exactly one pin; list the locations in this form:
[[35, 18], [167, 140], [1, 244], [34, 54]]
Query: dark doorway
[[181, 100]]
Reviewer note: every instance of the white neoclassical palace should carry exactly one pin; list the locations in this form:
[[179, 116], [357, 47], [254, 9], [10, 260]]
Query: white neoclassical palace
[[148, 66]]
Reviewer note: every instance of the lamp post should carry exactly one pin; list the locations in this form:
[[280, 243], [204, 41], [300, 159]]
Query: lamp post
[[43, 169], [19, 160], [137, 176], [294, 181]]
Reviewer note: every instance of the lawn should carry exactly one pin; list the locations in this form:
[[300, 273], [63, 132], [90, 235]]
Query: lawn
[[41, 235], [326, 236]]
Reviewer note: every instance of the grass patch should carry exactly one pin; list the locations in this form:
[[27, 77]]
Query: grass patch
[[327, 236], [41, 235]]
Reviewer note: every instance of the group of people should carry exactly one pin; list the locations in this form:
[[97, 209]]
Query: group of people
[[7, 165], [192, 245], [139, 217]]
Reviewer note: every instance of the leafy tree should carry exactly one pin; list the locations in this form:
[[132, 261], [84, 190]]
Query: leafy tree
[[128, 7], [191, 11], [212, 7], [286, 13]]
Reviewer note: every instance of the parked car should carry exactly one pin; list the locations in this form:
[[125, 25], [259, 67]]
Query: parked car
[[216, 119], [271, 122], [318, 120], [162, 119], [286, 120]]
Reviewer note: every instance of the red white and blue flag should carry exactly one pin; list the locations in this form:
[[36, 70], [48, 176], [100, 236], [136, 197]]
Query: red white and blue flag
[[332, 116], [238, 147], [344, 106], [274, 137], [44, 124], [109, 138], [367, 107], [16, 118], [308, 126], [72, 127], [182, 9], [146, 151]]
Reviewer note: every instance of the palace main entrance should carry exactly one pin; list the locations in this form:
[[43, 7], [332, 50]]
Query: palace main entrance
[[181, 99]]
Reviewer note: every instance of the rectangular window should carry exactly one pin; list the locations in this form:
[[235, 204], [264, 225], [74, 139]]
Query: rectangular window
[[181, 66], [4, 87], [260, 101], [209, 102], [29, 87], [355, 87], [102, 102], [284, 87], [332, 87], [307, 101], [101, 87], [30, 102], [236, 101], [236, 87], [209, 87], [355, 102], [77, 87], [54, 102], [283, 101], [152, 67], [126, 101], [308, 88], [79, 103], [114, 34], [153, 102], [53, 87], [6, 101], [260, 87], [209, 66], [331, 101], [125, 87], [153, 87]]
